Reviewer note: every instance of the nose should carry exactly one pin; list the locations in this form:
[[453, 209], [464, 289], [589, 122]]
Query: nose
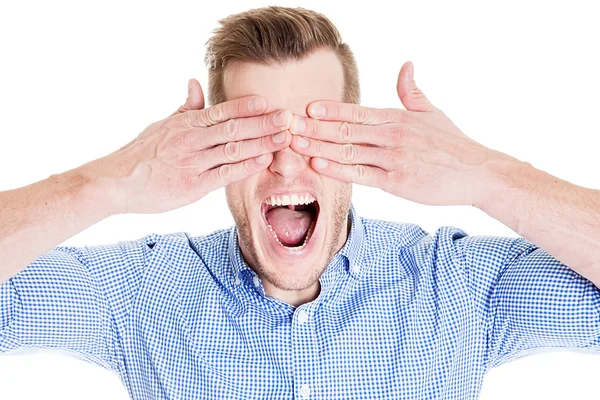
[[288, 163]]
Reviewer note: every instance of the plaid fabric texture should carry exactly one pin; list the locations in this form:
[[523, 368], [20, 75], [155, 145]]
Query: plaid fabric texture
[[401, 315]]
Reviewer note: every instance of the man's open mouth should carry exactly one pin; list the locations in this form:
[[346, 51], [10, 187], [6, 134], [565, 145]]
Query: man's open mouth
[[291, 219]]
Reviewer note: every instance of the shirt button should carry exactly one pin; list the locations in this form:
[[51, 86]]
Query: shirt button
[[256, 281], [302, 316], [305, 391], [237, 281], [356, 269]]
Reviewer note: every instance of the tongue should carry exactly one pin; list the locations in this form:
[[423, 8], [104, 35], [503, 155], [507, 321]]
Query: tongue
[[290, 226]]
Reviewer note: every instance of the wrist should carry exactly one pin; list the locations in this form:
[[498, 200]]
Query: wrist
[[500, 177], [96, 189]]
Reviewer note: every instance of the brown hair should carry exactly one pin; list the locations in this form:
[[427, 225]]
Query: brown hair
[[275, 34]]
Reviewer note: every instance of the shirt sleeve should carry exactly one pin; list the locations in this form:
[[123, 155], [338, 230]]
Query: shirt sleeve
[[72, 299], [528, 301]]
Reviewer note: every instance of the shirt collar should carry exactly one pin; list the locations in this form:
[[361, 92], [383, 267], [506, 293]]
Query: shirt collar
[[352, 250]]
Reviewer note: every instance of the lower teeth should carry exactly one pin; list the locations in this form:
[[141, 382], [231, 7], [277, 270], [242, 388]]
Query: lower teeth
[[308, 235]]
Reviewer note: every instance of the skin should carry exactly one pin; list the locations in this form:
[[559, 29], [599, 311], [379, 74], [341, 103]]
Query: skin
[[424, 158], [290, 86], [420, 155], [172, 163]]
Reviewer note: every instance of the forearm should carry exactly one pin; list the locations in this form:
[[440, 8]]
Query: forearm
[[38, 217], [556, 215]]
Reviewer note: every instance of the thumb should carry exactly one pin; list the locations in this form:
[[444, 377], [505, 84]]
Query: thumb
[[195, 98], [411, 97]]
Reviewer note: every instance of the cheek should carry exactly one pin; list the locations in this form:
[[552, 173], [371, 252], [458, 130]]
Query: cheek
[[338, 193], [241, 194]]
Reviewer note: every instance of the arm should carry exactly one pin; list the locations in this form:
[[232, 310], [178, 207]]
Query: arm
[[172, 163], [558, 216], [420, 155], [527, 301], [45, 214]]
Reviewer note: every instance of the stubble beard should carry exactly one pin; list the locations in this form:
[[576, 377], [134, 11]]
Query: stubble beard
[[340, 207]]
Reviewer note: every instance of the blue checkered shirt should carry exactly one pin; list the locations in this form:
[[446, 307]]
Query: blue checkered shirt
[[401, 315]]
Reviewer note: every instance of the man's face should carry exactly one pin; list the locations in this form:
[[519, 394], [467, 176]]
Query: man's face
[[289, 263]]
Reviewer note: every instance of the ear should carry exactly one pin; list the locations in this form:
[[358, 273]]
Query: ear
[[411, 97], [195, 99]]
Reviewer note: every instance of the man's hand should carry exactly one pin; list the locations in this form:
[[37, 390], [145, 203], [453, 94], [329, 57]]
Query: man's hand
[[417, 153], [177, 161]]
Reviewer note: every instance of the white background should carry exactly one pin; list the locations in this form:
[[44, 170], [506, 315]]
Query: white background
[[80, 79]]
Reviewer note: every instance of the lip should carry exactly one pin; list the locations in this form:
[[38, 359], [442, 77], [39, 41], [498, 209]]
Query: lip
[[291, 253]]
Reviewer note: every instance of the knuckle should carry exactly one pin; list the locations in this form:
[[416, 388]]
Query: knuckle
[[333, 110], [241, 107], [230, 128], [184, 119], [224, 172], [232, 150], [344, 132], [401, 116], [265, 143], [315, 130], [389, 115], [264, 124], [394, 179], [348, 152], [360, 114], [416, 92], [215, 114], [246, 167], [318, 147], [200, 119], [359, 172]]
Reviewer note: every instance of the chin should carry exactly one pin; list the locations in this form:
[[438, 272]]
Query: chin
[[288, 236]]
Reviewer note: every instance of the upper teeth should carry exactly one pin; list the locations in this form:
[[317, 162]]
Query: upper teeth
[[293, 199]]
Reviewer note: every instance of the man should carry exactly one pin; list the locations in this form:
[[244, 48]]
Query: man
[[303, 298]]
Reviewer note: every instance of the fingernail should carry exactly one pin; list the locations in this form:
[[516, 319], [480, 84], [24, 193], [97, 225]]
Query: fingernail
[[321, 163], [317, 110], [279, 137], [262, 159], [412, 71], [189, 87], [281, 118], [257, 103], [301, 142], [299, 125]]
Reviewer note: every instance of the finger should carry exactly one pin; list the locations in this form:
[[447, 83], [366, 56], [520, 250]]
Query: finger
[[225, 174], [241, 129], [355, 173], [412, 97], [386, 135], [232, 152], [195, 99], [243, 107], [356, 114], [347, 153]]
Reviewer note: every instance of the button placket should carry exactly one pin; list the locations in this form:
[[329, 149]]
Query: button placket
[[303, 350]]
